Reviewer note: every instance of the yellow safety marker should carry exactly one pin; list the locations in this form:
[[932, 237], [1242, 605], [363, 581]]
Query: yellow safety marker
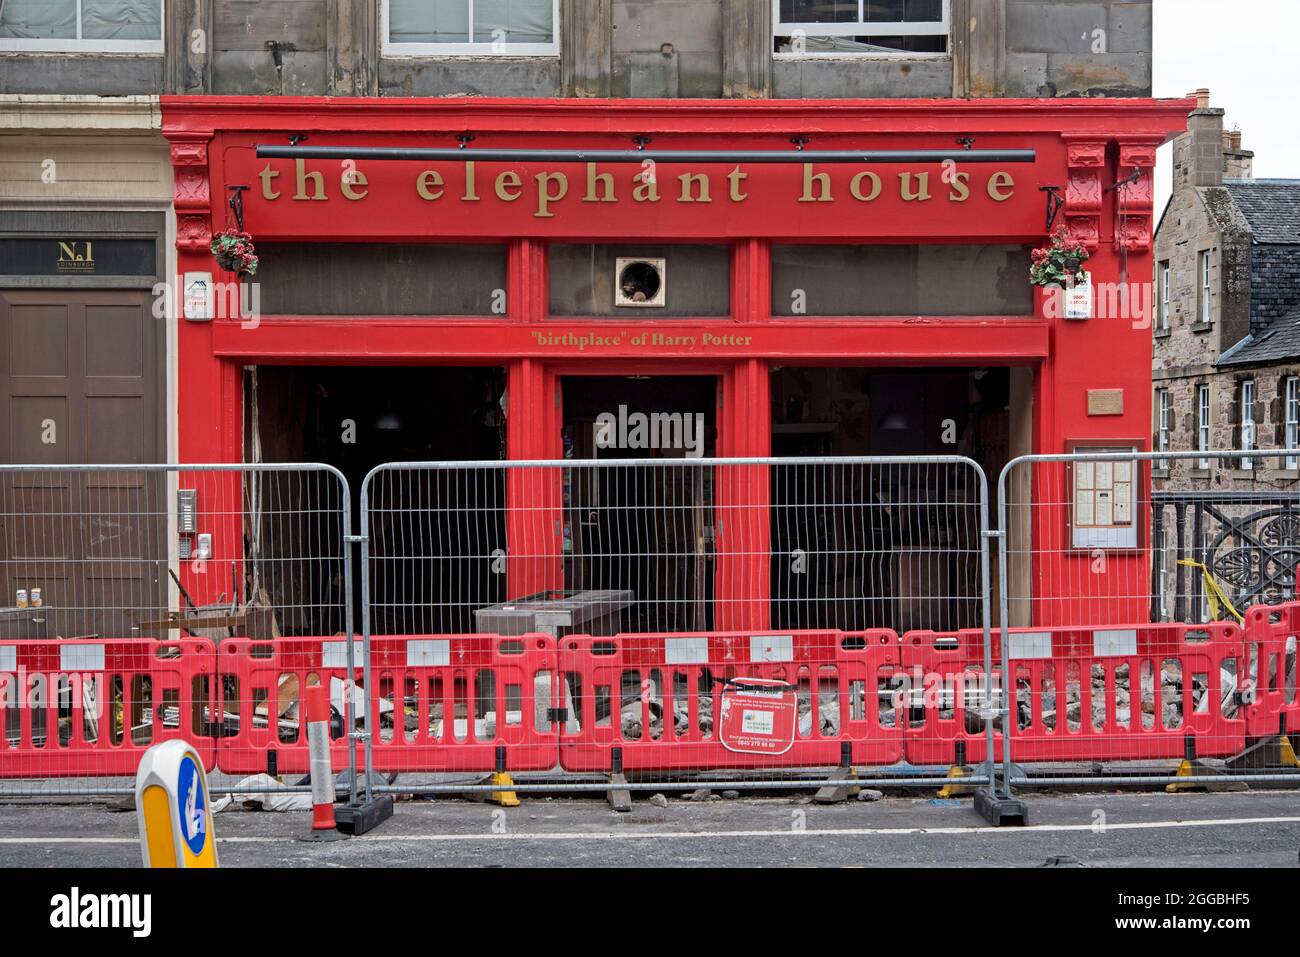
[[954, 789], [1214, 595], [504, 798], [173, 808]]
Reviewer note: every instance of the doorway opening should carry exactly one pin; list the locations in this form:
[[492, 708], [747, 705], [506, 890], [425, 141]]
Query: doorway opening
[[895, 546], [643, 530], [426, 541]]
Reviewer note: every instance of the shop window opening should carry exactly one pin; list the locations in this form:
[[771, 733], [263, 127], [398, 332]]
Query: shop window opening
[[431, 531], [864, 545], [645, 532]]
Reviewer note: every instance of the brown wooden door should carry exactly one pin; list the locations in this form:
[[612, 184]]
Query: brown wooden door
[[81, 383]]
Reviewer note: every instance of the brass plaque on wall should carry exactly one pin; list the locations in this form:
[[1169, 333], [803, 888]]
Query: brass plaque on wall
[[1105, 401]]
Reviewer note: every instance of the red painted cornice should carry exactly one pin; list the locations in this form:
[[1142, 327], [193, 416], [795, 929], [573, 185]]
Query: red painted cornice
[[1132, 117]]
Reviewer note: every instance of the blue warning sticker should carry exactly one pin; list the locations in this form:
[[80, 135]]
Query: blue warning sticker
[[193, 806]]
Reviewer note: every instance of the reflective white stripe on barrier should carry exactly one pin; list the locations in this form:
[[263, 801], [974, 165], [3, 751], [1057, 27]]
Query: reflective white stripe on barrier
[[686, 651], [334, 654], [81, 657], [1114, 643], [1030, 644], [771, 648], [428, 651]]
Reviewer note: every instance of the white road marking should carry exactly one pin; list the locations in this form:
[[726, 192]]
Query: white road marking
[[698, 835]]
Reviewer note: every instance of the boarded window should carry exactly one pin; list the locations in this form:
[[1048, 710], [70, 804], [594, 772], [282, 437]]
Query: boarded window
[[381, 279], [970, 280], [696, 279]]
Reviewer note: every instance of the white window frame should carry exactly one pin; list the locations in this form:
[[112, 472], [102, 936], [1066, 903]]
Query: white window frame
[[1291, 419], [1164, 295], [471, 48], [1246, 407], [78, 45], [861, 27], [1163, 410], [1203, 424], [1205, 287]]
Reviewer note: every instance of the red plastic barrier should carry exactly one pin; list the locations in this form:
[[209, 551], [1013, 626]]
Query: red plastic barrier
[[88, 708], [439, 701], [1148, 666], [939, 694], [1272, 632], [659, 698]]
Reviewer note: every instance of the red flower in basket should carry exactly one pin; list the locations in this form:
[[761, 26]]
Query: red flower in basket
[[234, 252]]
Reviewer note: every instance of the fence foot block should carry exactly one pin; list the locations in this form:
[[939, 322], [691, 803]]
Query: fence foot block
[[1194, 768], [1266, 753], [619, 796], [1001, 810], [838, 793], [359, 818], [505, 797]]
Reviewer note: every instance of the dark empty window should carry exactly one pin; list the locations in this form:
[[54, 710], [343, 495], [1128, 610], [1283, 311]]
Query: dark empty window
[[695, 281], [381, 279], [964, 280]]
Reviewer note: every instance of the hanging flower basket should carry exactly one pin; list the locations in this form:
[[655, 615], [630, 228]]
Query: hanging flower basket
[[1061, 263], [235, 252]]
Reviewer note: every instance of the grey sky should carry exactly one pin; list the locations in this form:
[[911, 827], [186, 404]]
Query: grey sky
[[1245, 52]]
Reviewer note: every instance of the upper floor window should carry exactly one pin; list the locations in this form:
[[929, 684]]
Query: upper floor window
[[1203, 424], [81, 26], [860, 27], [1163, 415], [1162, 319], [1246, 427], [1291, 416], [471, 27], [1205, 287]]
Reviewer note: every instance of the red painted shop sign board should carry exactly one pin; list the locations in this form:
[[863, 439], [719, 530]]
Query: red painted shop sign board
[[215, 140], [758, 716]]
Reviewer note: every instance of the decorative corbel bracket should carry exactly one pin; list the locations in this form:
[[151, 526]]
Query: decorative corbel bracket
[[1137, 159], [1084, 190], [191, 193]]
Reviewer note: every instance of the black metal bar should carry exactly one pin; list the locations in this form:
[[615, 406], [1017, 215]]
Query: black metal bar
[[456, 154], [1180, 587], [1161, 556], [1198, 556], [1230, 498]]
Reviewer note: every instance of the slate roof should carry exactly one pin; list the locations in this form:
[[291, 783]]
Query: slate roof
[[1271, 206], [1279, 342]]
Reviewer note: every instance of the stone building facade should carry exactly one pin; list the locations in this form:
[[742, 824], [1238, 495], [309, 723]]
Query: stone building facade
[[1226, 357], [617, 48]]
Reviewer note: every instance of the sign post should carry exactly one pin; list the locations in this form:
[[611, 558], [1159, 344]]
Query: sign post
[[173, 808]]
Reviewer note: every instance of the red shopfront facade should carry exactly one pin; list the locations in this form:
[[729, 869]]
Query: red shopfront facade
[[798, 295]]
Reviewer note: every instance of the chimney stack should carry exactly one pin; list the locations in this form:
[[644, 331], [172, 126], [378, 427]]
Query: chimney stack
[[1199, 153], [1237, 163]]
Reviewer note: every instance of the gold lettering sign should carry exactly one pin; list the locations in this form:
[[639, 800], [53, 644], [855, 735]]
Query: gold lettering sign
[[76, 256], [544, 189]]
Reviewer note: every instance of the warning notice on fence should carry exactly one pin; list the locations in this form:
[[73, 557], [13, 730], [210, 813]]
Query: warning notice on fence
[[757, 716]]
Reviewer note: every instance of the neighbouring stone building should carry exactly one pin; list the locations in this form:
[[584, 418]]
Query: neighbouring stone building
[[1225, 374], [1226, 358]]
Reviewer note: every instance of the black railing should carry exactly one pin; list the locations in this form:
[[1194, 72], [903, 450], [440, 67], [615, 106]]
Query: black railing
[[1249, 541]]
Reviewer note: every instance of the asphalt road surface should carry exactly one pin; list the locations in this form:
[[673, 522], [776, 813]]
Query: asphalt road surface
[[1256, 829]]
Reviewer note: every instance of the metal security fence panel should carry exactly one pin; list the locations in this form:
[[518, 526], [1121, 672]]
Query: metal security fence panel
[[1134, 628], [664, 615], [152, 602]]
